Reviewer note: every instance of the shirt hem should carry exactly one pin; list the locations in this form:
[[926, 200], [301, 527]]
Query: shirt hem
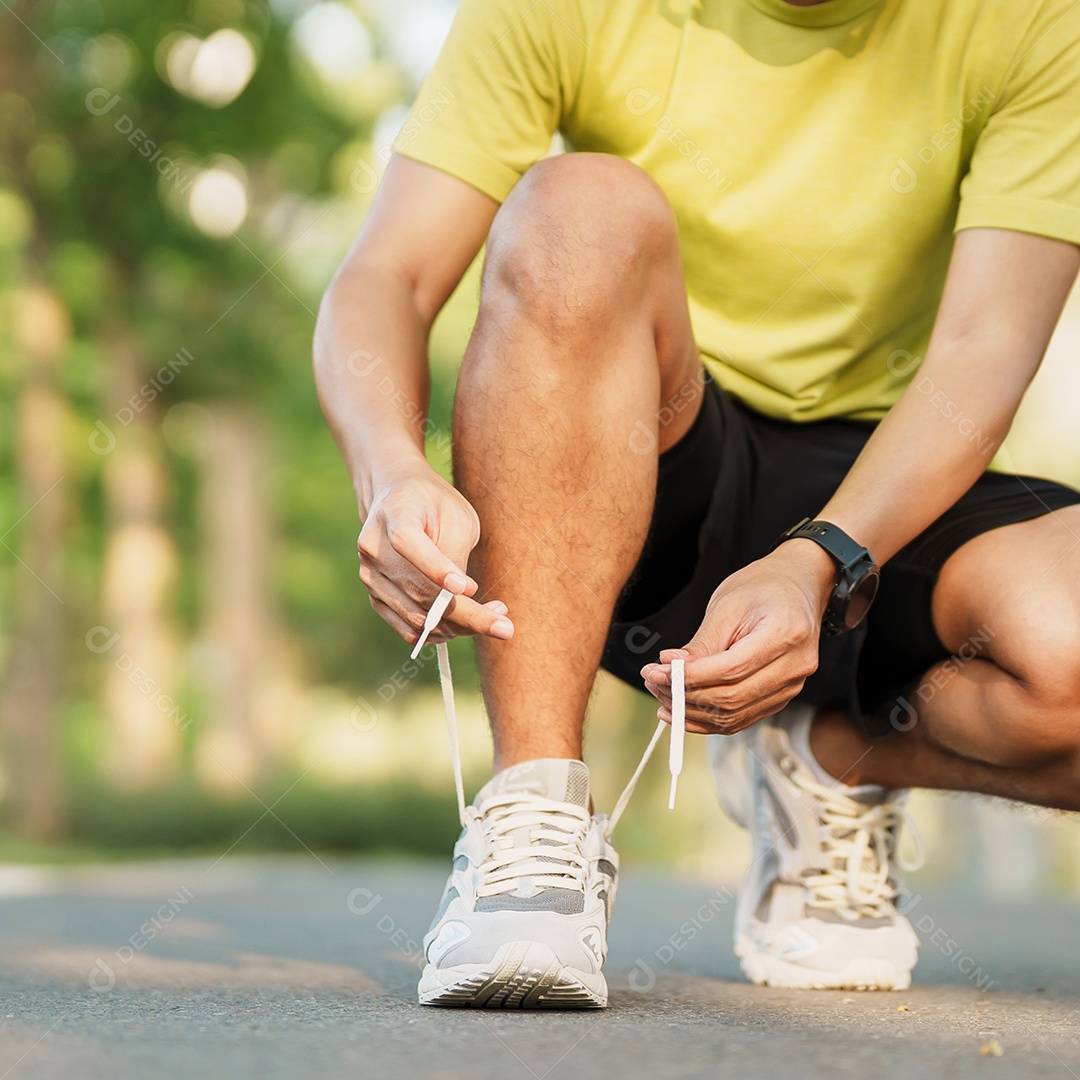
[[1021, 215], [467, 163]]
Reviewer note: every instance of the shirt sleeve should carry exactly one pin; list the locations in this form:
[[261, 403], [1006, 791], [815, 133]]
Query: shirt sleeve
[[1025, 169], [502, 86]]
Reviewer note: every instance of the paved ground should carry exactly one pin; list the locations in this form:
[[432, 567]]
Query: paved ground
[[268, 968]]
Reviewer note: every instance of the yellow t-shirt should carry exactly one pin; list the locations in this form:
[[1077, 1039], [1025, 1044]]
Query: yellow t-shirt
[[818, 158]]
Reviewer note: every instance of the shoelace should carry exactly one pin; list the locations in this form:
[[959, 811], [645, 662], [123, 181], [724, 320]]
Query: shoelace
[[860, 839], [446, 684], [858, 846], [553, 856]]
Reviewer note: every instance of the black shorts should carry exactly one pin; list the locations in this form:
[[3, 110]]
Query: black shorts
[[732, 485]]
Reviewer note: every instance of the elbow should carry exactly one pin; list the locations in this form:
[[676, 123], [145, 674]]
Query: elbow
[[326, 338], [323, 332]]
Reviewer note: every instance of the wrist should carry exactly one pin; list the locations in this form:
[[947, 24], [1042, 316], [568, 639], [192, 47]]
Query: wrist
[[814, 565], [389, 470]]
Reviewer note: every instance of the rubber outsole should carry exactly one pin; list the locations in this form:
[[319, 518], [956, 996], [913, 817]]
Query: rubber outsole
[[521, 975], [863, 973]]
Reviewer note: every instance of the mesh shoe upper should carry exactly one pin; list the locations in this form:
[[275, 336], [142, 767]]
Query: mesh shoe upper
[[523, 918], [532, 863], [825, 873]]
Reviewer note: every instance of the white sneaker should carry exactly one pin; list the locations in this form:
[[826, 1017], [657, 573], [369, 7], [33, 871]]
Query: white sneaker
[[817, 909], [523, 920]]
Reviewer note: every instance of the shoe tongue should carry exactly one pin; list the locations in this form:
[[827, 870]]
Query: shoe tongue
[[558, 779]]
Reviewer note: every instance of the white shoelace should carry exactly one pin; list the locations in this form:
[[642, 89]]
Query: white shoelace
[[858, 846], [552, 858], [858, 841], [446, 683]]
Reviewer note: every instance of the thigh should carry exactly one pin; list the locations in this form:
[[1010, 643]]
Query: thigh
[[967, 584], [1016, 591]]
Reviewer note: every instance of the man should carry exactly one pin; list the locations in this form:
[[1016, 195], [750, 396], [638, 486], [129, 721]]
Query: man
[[842, 212]]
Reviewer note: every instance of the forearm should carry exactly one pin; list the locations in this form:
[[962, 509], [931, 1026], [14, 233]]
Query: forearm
[[372, 376], [763, 620], [931, 447]]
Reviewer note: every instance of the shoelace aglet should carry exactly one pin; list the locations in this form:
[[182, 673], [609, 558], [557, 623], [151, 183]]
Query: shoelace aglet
[[432, 619], [678, 726]]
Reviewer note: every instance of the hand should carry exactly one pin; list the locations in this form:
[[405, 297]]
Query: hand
[[416, 540], [757, 644]]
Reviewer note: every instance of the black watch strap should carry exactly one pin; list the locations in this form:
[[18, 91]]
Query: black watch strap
[[845, 551], [856, 574]]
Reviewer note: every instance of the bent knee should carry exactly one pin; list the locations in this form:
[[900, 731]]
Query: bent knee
[[576, 234], [1045, 661]]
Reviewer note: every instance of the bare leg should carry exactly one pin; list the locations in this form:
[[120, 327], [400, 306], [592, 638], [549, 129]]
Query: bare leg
[[1006, 721], [583, 331]]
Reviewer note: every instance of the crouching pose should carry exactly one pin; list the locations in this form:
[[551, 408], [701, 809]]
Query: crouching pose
[[742, 362]]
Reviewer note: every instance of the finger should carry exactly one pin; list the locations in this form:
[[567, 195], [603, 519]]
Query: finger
[[414, 545], [446, 632], [692, 726], [660, 693], [763, 645], [395, 621], [724, 701], [667, 655], [746, 657], [410, 582], [705, 722], [466, 616], [386, 589], [779, 676], [409, 632], [725, 720]]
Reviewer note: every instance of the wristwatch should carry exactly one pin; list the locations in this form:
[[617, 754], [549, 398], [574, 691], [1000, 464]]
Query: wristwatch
[[857, 574]]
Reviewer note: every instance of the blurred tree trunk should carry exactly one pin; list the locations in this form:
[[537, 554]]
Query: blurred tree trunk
[[142, 744], [36, 791], [242, 671], [37, 795]]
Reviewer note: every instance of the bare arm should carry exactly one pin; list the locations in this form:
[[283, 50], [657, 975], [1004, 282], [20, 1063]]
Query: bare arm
[[759, 639], [371, 370], [1002, 300]]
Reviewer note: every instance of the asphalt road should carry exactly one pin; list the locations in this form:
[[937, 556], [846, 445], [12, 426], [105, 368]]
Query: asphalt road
[[292, 968]]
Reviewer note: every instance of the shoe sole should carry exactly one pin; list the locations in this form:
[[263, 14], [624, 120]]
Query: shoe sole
[[521, 975], [864, 973]]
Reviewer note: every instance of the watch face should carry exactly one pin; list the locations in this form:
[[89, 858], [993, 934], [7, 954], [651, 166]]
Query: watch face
[[861, 597]]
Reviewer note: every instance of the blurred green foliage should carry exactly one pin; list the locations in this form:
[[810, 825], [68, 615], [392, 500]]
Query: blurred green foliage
[[87, 215], [91, 222]]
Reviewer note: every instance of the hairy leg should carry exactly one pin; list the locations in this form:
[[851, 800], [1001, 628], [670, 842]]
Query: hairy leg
[[583, 332], [1006, 720]]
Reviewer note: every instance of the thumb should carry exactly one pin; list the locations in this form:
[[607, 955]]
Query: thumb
[[690, 651], [724, 624]]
